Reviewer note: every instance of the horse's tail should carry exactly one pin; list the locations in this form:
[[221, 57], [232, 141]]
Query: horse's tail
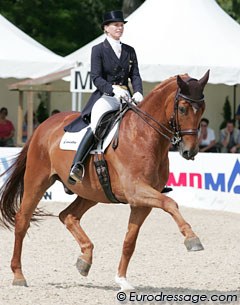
[[11, 192]]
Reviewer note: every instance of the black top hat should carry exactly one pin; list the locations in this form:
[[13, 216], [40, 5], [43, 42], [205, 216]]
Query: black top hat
[[113, 16]]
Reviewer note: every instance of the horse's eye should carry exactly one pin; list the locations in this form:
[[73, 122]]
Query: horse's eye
[[182, 110]]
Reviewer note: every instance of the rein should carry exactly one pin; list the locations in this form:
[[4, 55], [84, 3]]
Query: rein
[[175, 132], [144, 115]]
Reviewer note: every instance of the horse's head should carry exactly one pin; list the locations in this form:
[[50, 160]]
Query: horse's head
[[188, 108]]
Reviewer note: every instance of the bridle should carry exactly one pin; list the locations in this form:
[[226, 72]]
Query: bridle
[[174, 121], [175, 130]]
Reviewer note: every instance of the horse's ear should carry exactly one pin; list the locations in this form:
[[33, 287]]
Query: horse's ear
[[203, 81], [181, 84]]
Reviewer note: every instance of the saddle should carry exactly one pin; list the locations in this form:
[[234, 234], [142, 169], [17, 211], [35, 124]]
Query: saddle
[[105, 125]]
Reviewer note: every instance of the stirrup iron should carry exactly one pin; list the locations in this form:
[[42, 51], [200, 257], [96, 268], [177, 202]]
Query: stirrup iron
[[75, 172]]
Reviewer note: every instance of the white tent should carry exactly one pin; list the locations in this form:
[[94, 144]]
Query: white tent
[[23, 57], [178, 36]]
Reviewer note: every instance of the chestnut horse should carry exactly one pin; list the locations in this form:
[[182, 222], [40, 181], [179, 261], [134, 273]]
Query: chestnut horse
[[138, 169]]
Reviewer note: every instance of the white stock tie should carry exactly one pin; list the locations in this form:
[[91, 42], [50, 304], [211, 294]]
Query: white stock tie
[[118, 49]]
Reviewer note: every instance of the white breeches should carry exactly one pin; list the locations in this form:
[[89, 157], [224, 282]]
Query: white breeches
[[104, 104]]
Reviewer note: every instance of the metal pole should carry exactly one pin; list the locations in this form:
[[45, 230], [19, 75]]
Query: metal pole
[[29, 114], [79, 101], [20, 119], [74, 101]]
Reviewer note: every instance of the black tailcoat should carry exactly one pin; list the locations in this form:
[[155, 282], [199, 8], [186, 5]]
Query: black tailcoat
[[106, 70]]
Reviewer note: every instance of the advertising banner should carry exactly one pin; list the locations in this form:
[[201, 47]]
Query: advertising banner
[[211, 181]]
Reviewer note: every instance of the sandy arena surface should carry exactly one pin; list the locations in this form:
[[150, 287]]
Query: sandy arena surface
[[160, 264]]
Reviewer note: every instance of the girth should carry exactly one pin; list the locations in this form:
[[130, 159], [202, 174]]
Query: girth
[[104, 178]]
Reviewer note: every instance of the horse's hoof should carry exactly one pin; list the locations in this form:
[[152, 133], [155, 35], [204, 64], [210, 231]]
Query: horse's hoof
[[20, 282], [123, 283], [83, 267], [193, 244]]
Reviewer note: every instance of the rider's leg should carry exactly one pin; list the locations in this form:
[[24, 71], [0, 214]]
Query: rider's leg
[[103, 105], [77, 170]]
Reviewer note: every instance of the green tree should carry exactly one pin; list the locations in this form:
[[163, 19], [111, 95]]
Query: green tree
[[231, 7], [63, 26], [227, 113], [130, 6]]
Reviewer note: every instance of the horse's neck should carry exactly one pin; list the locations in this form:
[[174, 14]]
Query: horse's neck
[[140, 133], [158, 105], [140, 129]]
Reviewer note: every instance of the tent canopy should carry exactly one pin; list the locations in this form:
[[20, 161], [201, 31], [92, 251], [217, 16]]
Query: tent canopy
[[180, 36], [23, 57]]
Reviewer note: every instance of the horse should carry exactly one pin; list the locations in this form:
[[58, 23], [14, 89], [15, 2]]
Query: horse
[[138, 170]]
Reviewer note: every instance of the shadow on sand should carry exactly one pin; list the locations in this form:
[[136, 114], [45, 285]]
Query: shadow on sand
[[165, 295]]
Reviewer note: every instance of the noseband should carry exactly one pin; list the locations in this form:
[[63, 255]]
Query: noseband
[[175, 132]]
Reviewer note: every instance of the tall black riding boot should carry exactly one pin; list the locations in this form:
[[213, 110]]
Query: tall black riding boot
[[77, 171]]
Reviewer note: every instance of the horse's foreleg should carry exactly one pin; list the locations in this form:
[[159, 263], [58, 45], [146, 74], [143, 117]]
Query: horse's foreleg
[[192, 242], [71, 217], [152, 198], [137, 217]]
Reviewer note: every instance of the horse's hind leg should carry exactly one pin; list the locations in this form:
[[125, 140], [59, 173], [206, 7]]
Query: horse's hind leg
[[31, 197], [71, 217], [137, 217]]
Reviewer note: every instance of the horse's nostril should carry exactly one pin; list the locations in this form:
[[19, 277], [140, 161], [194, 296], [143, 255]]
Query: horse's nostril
[[189, 154], [186, 154]]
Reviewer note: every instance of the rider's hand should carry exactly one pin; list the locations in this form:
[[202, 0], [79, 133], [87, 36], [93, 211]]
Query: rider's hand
[[137, 97], [119, 93]]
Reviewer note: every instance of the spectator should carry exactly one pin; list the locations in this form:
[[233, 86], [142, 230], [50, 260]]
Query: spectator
[[230, 138], [25, 126], [55, 111], [6, 129], [206, 137]]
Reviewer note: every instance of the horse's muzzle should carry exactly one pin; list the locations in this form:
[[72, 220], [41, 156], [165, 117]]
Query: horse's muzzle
[[189, 154]]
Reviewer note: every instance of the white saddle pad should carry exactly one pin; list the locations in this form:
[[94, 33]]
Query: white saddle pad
[[71, 140]]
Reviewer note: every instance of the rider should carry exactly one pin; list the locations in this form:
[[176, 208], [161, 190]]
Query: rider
[[113, 63]]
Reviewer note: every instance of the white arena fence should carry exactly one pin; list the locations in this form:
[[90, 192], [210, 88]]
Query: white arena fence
[[211, 181]]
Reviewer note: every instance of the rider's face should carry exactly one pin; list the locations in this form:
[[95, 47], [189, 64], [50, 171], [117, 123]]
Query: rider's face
[[114, 29]]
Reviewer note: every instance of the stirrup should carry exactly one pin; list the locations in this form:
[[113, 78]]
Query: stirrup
[[77, 172]]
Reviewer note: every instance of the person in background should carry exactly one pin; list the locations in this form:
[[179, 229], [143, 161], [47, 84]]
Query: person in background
[[6, 129], [230, 138], [206, 137], [25, 126], [55, 111]]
